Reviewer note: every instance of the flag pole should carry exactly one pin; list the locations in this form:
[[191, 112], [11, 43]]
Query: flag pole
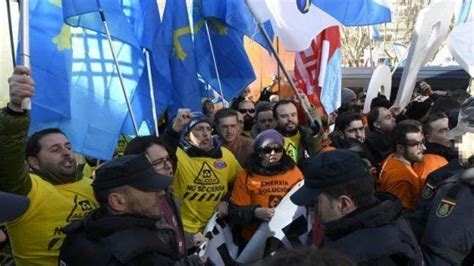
[[10, 31], [152, 91], [109, 39], [25, 43], [304, 103], [215, 63]]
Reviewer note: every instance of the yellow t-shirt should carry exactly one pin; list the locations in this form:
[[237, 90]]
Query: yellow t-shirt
[[291, 146], [36, 236], [200, 183]]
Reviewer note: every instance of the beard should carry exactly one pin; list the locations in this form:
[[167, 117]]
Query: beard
[[285, 131], [413, 157]]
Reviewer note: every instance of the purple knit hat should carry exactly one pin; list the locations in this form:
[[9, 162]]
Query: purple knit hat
[[267, 137]]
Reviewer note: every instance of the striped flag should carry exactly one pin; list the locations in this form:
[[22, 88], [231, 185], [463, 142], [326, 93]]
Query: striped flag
[[318, 71]]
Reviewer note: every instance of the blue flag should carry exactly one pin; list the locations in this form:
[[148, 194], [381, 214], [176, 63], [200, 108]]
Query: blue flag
[[231, 60], [98, 107], [179, 46], [145, 20], [237, 15], [51, 59], [356, 13], [85, 14]]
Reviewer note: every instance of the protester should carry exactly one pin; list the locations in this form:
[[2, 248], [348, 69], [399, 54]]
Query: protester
[[397, 175], [128, 228], [165, 163], [227, 125], [300, 142], [247, 109], [380, 124], [340, 190], [268, 176], [438, 146], [204, 172], [57, 192], [263, 118], [348, 126], [208, 109]]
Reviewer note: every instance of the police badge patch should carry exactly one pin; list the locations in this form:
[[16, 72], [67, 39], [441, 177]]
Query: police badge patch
[[428, 191], [445, 208]]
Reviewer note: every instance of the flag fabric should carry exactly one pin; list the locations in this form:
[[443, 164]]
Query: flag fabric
[[51, 59], [355, 13], [237, 15], [318, 71], [145, 20], [179, 47], [85, 14], [297, 22], [231, 60], [98, 107]]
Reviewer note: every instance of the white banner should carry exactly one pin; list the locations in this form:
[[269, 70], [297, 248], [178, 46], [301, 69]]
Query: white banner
[[431, 29], [289, 228]]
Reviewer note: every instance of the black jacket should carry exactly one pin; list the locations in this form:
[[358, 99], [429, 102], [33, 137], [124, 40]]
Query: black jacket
[[378, 234], [434, 180], [379, 146], [103, 239], [448, 238]]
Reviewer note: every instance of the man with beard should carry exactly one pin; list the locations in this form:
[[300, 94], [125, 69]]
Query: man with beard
[[371, 229], [57, 191], [247, 109], [128, 228], [397, 175], [381, 123], [227, 125], [204, 172], [300, 142], [438, 146]]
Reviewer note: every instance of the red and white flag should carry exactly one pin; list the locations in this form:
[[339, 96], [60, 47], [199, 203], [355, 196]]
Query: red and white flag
[[318, 70]]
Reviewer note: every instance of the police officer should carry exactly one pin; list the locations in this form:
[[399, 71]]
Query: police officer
[[369, 228], [463, 135], [448, 238]]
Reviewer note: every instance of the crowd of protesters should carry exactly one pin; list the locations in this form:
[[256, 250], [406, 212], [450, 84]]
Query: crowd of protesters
[[390, 187]]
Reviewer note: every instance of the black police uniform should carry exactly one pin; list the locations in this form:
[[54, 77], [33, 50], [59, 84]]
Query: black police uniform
[[448, 238], [377, 234], [103, 239], [419, 217]]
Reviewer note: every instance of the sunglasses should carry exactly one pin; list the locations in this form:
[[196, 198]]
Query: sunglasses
[[250, 111], [268, 150]]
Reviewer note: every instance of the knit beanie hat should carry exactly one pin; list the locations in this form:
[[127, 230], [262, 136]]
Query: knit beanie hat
[[196, 118], [347, 96], [267, 137]]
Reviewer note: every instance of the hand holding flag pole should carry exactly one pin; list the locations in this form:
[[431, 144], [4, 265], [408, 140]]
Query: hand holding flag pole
[[25, 45]]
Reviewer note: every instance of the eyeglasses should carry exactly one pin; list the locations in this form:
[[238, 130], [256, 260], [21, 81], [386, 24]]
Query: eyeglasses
[[268, 150], [250, 111], [161, 163], [416, 143]]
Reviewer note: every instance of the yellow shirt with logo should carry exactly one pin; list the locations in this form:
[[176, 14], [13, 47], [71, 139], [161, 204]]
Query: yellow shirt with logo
[[291, 146], [200, 183], [36, 236]]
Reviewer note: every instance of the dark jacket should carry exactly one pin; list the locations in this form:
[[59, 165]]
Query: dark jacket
[[103, 239], [448, 238], [419, 217], [379, 146], [378, 234]]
